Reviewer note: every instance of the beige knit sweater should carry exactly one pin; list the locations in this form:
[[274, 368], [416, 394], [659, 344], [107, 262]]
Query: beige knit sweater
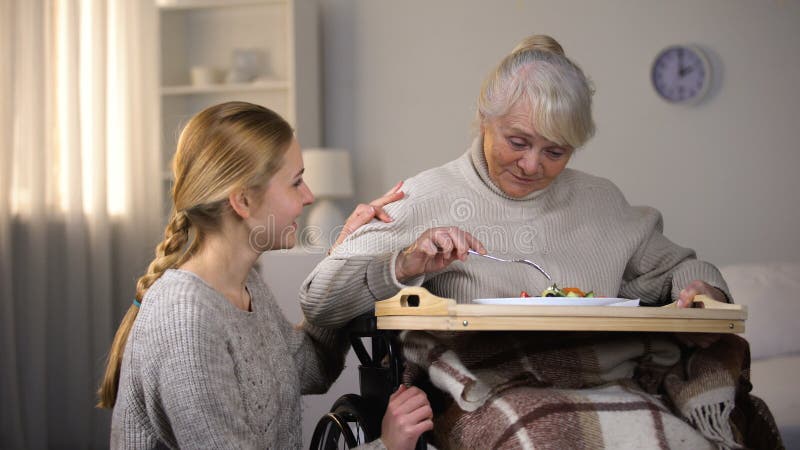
[[580, 229]]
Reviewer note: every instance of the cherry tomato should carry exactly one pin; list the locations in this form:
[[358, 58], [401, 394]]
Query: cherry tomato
[[524, 294]]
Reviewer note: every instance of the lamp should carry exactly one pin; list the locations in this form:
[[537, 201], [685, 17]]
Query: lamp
[[327, 174]]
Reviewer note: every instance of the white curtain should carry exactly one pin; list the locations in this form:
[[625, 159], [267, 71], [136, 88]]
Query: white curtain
[[79, 205]]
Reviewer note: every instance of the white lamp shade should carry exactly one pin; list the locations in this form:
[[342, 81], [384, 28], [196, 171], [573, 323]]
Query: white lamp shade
[[328, 173]]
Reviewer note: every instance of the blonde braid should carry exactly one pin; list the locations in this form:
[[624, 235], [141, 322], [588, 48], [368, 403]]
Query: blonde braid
[[168, 255], [168, 252]]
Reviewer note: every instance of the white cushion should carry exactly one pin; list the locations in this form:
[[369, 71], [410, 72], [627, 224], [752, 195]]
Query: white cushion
[[775, 382], [771, 292]]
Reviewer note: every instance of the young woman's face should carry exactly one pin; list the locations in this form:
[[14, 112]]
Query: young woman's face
[[273, 221], [520, 160]]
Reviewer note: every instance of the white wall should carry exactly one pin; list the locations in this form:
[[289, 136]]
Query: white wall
[[284, 272], [401, 78]]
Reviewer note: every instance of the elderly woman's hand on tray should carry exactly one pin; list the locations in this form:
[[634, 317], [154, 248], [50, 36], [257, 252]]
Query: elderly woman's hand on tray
[[697, 287], [686, 299]]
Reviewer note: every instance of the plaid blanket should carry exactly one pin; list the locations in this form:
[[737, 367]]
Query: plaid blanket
[[581, 390]]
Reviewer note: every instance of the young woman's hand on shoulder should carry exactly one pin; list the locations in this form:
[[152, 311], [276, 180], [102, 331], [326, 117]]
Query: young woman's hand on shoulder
[[364, 213]]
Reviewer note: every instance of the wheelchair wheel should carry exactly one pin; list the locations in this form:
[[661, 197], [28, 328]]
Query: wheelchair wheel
[[333, 432], [345, 427]]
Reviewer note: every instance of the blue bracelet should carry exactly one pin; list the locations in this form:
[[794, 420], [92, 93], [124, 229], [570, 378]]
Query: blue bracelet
[[136, 302]]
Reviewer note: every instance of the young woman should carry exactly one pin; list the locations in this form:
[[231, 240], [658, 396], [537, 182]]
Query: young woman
[[204, 357]]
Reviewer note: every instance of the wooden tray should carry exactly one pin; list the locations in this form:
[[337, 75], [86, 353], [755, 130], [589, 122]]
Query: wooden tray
[[414, 308]]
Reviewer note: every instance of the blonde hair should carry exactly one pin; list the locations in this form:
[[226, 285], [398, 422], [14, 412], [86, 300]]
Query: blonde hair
[[223, 148], [560, 95]]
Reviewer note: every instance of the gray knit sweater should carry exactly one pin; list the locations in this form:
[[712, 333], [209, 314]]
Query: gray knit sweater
[[580, 229], [199, 373]]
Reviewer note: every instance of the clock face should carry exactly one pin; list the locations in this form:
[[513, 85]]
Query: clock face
[[681, 74]]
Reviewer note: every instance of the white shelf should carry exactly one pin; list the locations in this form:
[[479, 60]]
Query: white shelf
[[259, 86], [197, 4], [206, 33]]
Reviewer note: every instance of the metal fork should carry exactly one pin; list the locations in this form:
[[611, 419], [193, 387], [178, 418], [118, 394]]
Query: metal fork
[[523, 261]]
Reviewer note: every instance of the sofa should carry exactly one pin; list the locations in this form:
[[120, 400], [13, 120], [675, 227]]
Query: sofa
[[770, 291]]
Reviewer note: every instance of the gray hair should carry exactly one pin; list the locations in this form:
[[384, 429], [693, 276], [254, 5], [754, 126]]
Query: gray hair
[[560, 95]]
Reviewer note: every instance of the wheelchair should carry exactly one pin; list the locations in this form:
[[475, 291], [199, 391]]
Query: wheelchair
[[356, 419]]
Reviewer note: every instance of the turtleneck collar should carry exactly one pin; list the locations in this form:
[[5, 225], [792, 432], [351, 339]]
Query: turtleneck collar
[[482, 168]]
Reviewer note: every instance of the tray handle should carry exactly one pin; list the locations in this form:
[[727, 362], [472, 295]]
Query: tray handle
[[414, 301]]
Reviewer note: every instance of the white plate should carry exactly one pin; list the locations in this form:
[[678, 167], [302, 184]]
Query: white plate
[[558, 301]]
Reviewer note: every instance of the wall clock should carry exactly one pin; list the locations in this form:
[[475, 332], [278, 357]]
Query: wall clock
[[681, 74]]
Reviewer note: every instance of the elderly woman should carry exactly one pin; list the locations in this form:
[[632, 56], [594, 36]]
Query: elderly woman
[[512, 195]]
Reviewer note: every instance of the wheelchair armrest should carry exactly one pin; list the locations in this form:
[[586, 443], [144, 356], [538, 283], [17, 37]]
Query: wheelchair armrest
[[363, 325]]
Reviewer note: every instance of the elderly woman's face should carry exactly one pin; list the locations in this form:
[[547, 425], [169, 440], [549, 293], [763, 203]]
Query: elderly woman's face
[[520, 160]]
